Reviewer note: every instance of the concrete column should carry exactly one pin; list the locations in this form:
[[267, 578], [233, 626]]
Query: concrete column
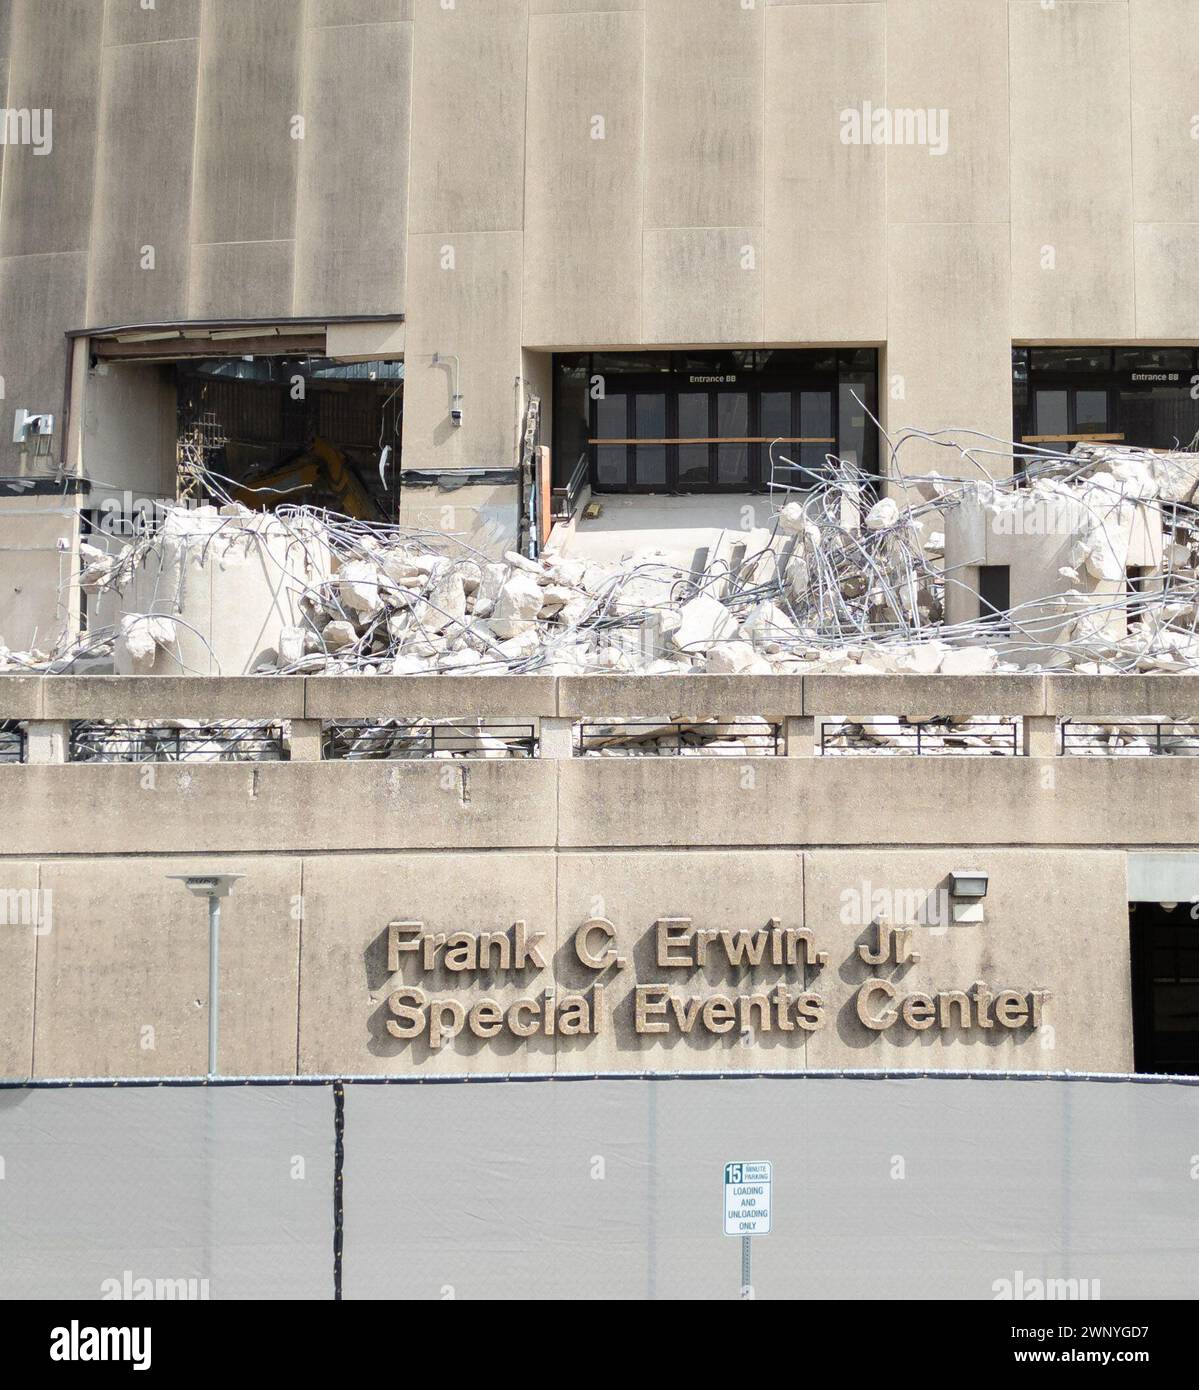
[[799, 734], [48, 741], [557, 738], [306, 736], [1040, 736]]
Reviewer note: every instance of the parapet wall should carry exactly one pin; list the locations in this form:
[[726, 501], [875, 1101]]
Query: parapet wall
[[644, 914], [316, 697]]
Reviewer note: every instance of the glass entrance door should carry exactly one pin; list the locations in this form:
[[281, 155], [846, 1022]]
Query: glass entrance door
[[682, 428]]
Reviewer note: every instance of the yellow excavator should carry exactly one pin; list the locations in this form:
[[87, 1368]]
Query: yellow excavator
[[321, 470]]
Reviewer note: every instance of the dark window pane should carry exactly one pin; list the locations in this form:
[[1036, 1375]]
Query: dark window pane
[[1052, 412], [1163, 964], [650, 416], [855, 426], [649, 465], [776, 424], [713, 364], [1159, 418], [693, 424], [994, 593], [611, 465], [612, 419], [816, 422], [693, 415], [732, 419], [1154, 359], [1071, 360], [1090, 412], [858, 360], [572, 409], [1176, 1008], [776, 414], [627, 363], [649, 460], [797, 360], [694, 460], [732, 463], [612, 423], [732, 414]]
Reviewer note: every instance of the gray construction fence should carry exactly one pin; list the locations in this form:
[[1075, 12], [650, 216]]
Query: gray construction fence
[[884, 1186]]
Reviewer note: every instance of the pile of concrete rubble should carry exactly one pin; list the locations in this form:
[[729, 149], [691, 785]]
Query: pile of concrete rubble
[[1101, 547], [840, 582]]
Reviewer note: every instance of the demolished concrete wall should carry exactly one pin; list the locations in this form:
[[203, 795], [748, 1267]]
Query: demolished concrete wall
[[211, 593]]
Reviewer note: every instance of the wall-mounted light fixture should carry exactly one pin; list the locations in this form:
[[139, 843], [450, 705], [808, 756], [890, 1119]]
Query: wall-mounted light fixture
[[967, 889], [27, 425]]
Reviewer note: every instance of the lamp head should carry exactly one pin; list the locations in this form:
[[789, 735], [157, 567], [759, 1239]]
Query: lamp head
[[208, 885]]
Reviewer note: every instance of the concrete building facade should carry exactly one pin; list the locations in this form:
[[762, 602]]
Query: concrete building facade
[[477, 186], [566, 915]]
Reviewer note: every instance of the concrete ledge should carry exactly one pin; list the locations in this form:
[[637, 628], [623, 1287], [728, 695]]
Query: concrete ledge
[[590, 697], [431, 697], [1099, 697], [216, 808], [876, 801], [221, 808], [173, 697], [650, 697], [21, 697], [924, 695]]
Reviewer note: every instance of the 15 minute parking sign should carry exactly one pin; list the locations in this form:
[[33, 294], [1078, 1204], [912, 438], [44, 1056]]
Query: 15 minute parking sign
[[747, 1199]]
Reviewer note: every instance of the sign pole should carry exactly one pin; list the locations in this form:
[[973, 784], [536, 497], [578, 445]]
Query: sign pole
[[214, 1005], [748, 1189]]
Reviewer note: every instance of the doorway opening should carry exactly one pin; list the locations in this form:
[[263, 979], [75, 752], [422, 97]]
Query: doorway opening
[[267, 415], [1165, 988]]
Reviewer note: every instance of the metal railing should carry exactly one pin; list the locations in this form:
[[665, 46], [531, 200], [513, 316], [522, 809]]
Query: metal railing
[[101, 742], [355, 740], [641, 738], [12, 741], [929, 738], [564, 500], [1129, 738]]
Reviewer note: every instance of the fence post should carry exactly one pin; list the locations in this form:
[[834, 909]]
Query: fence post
[[799, 734], [1040, 736], [556, 739], [306, 740], [48, 741]]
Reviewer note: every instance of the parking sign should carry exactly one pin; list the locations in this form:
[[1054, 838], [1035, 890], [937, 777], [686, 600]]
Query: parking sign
[[747, 1199]]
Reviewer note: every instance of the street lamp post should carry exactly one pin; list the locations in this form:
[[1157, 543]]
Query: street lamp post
[[214, 887]]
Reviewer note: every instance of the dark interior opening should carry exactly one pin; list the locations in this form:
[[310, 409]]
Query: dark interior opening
[[994, 593], [1165, 988], [298, 430], [740, 420]]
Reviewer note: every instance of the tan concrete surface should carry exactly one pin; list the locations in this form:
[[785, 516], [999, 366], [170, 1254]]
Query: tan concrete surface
[[718, 891], [826, 256], [431, 697], [900, 801], [346, 983], [21, 918], [122, 978], [157, 697], [143, 186], [1053, 921], [277, 807], [721, 205], [310, 965], [1071, 172]]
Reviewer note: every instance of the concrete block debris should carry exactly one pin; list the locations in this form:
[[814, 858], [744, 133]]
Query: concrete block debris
[[1085, 561]]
